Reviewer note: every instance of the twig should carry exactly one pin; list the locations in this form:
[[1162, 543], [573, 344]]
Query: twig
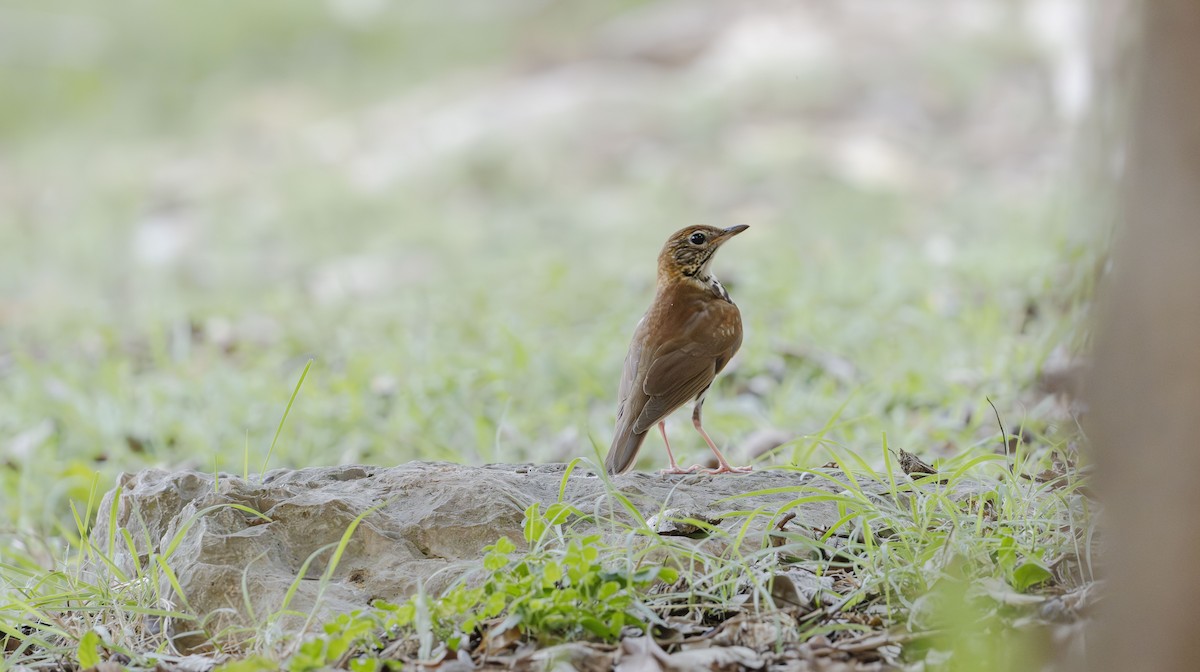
[[785, 520], [1003, 434], [877, 640]]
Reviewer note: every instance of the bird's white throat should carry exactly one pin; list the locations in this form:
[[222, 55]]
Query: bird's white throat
[[710, 282]]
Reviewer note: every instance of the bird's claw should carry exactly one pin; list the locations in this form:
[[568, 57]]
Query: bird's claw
[[728, 469], [676, 470]]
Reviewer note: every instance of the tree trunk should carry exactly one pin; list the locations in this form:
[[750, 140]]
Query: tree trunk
[[1144, 420]]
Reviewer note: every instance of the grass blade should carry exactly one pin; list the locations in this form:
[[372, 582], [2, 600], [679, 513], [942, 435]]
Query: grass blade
[[286, 410]]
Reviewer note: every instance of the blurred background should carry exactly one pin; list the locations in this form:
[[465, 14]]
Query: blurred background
[[454, 209]]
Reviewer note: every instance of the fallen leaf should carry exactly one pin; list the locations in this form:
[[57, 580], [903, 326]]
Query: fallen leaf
[[641, 654], [680, 523], [715, 658], [763, 632], [578, 656], [911, 464], [1003, 593], [799, 588]]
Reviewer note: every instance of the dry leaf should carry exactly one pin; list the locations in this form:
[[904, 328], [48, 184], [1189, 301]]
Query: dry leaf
[[679, 523], [799, 587], [641, 654], [579, 656], [911, 464], [715, 658]]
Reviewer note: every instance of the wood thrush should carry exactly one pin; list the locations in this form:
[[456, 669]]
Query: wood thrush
[[690, 332]]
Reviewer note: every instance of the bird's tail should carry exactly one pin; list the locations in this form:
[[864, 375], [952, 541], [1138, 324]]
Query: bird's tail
[[624, 449]]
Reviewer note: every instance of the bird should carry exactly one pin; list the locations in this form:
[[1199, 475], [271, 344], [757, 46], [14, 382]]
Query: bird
[[690, 332]]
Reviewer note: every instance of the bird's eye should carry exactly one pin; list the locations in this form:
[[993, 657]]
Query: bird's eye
[[697, 238]]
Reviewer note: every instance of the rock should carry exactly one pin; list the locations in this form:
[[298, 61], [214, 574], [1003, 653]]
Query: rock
[[422, 523]]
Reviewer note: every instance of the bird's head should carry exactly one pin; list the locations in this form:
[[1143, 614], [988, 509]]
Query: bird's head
[[689, 250]]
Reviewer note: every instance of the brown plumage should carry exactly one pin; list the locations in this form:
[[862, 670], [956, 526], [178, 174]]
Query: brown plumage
[[690, 332]]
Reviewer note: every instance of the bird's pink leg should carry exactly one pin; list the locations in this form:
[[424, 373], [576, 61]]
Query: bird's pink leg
[[675, 468], [723, 466]]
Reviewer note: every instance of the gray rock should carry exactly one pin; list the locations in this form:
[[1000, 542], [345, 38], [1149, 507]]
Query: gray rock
[[427, 524]]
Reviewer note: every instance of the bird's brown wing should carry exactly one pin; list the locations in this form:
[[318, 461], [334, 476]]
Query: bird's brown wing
[[684, 377], [685, 366], [659, 377], [630, 401], [629, 374]]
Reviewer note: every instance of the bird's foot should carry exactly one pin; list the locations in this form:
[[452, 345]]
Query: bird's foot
[[675, 469], [726, 468]]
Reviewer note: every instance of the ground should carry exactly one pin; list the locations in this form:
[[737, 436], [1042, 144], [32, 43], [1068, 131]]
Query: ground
[[454, 212]]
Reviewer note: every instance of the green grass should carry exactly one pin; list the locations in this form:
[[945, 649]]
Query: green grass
[[947, 565], [477, 308]]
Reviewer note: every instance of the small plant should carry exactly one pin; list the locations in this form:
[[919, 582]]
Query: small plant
[[1022, 571], [342, 637], [560, 590]]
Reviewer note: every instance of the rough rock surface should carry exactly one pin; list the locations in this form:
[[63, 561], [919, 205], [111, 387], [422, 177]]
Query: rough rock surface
[[429, 524]]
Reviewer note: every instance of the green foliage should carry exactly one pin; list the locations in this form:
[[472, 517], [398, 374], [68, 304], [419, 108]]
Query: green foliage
[[915, 542], [553, 593], [249, 664], [287, 409], [561, 590], [1022, 571], [537, 523], [341, 637], [971, 633], [88, 653]]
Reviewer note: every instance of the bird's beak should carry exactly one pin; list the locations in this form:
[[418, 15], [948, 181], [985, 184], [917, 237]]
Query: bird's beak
[[733, 230]]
